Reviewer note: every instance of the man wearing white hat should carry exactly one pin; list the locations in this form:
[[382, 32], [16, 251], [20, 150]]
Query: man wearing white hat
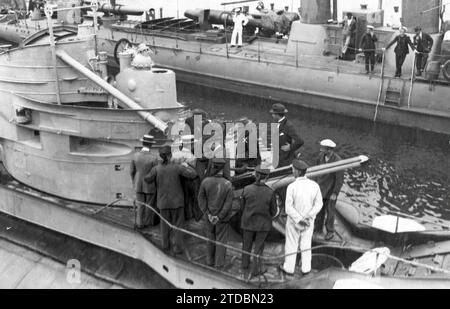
[[330, 185], [368, 46], [240, 21]]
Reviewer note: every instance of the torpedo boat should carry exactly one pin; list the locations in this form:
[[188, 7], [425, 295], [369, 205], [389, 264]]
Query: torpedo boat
[[68, 131], [292, 58]]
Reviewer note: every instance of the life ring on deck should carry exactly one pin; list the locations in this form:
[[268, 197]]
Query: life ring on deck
[[446, 70], [120, 47]]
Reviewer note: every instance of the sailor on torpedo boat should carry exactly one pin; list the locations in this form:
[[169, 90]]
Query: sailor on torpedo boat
[[368, 46], [423, 43], [240, 21], [401, 50]]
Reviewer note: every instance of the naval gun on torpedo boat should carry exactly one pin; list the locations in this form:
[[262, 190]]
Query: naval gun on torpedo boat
[[269, 22], [117, 9]]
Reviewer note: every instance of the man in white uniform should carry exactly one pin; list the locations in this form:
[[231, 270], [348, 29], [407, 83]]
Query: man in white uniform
[[240, 21], [303, 203]]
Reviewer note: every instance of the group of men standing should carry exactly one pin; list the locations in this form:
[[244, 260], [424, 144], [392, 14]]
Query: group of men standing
[[161, 182], [422, 45]]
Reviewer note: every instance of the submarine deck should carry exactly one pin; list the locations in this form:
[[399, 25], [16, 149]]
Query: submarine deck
[[437, 255]]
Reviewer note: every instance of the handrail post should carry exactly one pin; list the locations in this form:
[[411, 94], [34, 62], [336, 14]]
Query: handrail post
[[94, 8], [49, 14], [259, 50], [381, 88], [296, 53], [412, 79], [226, 36]]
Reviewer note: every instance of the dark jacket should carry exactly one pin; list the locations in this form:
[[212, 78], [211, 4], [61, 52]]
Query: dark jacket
[[247, 159], [288, 135], [169, 189], [425, 44], [141, 166], [259, 206], [215, 197], [331, 183], [402, 45], [349, 29], [368, 43]]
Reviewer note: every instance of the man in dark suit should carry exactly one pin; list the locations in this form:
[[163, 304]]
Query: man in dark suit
[[289, 140], [401, 50], [170, 195], [259, 207], [141, 165], [330, 186], [423, 43], [215, 199], [368, 46]]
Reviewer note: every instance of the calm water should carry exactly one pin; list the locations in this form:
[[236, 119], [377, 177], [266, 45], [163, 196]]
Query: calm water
[[409, 169]]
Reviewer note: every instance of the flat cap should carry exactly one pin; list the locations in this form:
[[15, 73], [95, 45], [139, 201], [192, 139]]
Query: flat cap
[[328, 143], [300, 165]]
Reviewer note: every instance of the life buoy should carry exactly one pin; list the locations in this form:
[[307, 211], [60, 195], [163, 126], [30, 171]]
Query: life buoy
[[117, 50], [446, 70]]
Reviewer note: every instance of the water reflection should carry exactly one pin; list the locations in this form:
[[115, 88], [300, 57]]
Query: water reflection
[[409, 169]]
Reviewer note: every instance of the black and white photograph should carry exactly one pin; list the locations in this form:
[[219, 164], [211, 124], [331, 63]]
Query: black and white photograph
[[226, 145]]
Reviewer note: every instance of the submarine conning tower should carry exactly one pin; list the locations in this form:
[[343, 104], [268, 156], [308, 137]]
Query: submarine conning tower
[[152, 88]]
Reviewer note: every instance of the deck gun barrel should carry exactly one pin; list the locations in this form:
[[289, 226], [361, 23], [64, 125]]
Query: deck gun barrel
[[147, 116], [270, 22], [118, 9]]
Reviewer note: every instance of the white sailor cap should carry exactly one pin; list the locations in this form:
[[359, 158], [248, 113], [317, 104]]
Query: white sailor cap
[[370, 27], [328, 143]]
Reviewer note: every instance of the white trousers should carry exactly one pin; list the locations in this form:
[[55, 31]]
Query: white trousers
[[294, 235], [236, 36], [347, 41]]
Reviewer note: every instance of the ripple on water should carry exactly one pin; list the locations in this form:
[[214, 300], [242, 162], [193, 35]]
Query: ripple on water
[[409, 170]]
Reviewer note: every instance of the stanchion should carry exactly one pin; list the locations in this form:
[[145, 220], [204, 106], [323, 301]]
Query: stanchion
[[412, 79], [381, 88]]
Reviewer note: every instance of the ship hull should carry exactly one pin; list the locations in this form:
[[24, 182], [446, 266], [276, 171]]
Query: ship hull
[[87, 223], [311, 82]]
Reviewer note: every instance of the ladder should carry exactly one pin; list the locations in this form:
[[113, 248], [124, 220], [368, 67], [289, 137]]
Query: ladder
[[393, 95]]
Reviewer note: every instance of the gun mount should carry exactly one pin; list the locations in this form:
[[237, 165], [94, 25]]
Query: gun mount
[[116, 9], [269, 22]]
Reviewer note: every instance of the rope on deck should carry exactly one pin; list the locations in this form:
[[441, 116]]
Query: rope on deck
[[354, 247]]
